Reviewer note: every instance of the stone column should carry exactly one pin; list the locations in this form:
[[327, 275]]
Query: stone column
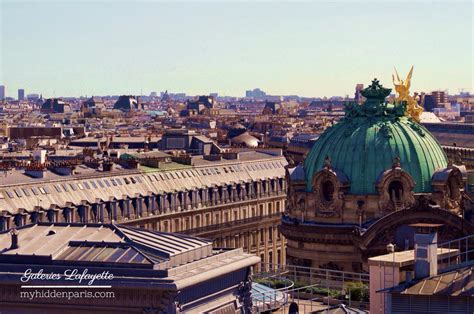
[[215, 196]]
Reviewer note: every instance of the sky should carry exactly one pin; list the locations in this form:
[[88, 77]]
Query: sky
[[314, 49]]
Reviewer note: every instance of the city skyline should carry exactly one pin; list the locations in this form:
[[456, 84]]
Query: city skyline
[[82, 49]]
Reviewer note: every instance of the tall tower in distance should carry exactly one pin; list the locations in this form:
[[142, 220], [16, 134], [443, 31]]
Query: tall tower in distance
[[2, 92], [21, 94], [357, 95]]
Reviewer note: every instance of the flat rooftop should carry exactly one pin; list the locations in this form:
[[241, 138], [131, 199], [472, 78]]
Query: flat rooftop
[[405, 258]]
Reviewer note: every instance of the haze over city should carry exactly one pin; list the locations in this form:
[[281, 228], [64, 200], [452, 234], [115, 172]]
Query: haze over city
[[310, 49]]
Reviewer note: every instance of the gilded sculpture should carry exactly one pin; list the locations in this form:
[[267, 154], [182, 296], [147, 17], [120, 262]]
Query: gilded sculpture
[[402, 87]]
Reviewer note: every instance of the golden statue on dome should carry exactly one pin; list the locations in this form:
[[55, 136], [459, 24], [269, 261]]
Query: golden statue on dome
[[402, 87]]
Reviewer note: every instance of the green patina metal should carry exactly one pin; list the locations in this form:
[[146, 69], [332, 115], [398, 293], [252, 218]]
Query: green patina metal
[[368, 140]]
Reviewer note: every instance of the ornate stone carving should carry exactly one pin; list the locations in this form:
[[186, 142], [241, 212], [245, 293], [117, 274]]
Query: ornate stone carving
[[406, 199], [328, 191]]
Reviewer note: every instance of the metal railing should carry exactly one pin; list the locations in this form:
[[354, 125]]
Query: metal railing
[[310, 275], [306, 298], [312, 288], [464, 248]]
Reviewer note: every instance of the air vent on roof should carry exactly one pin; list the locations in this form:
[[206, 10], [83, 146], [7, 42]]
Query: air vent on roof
[[51, 232]]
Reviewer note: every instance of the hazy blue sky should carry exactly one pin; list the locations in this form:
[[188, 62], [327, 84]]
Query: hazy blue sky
[[306, 48]]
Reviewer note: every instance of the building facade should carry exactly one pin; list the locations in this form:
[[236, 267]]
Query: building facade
[[135, 271], [235, 202]]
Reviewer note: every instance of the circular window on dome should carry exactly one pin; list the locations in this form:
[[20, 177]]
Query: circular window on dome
[[327, 190]]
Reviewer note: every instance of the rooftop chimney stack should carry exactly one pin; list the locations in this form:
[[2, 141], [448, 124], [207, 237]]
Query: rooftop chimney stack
[[426, 247], [14, 235]]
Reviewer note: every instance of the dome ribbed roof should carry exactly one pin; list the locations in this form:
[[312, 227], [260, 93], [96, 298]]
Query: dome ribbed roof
[[366, 142]]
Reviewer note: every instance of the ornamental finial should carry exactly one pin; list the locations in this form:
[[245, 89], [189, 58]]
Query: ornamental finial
[[396, 162], [327, 162]]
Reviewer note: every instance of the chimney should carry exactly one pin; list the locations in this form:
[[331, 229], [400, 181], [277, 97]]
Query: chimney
[[14, 235], [426, 247]]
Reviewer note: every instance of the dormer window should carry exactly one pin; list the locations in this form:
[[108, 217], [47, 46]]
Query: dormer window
[[327, 190], [395, 190]]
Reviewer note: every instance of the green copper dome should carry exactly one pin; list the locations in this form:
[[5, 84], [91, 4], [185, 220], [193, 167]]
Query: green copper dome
[[368, 140]]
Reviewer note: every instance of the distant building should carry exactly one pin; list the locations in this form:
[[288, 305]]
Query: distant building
[[358, 95], [440, 98], [33, 97], [93, 106], [257, 93], [21, 94], [55, 105], [272, 107], [153, 94], [127, 103], [201, 106], [2, 92], [190, 141]]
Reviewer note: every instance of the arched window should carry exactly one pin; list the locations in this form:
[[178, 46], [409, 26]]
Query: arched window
[[395, 190], [327, 190]]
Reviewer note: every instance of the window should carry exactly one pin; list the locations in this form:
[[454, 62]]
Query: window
[[10, 194], [113, 182], [395, 190], [65, 187], [42, 190], [100, 183], [73, 186], [119, 181], [81, 187], [46, 189], [177, 226], [57, 188], [18, 193], [138, 179], [107, 182], [35, 191], [93, 184], [133, 180], [26, 192], [178, 175], [327, 189], [86, 185]]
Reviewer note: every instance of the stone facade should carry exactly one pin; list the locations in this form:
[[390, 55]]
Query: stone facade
[[234, 208]]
